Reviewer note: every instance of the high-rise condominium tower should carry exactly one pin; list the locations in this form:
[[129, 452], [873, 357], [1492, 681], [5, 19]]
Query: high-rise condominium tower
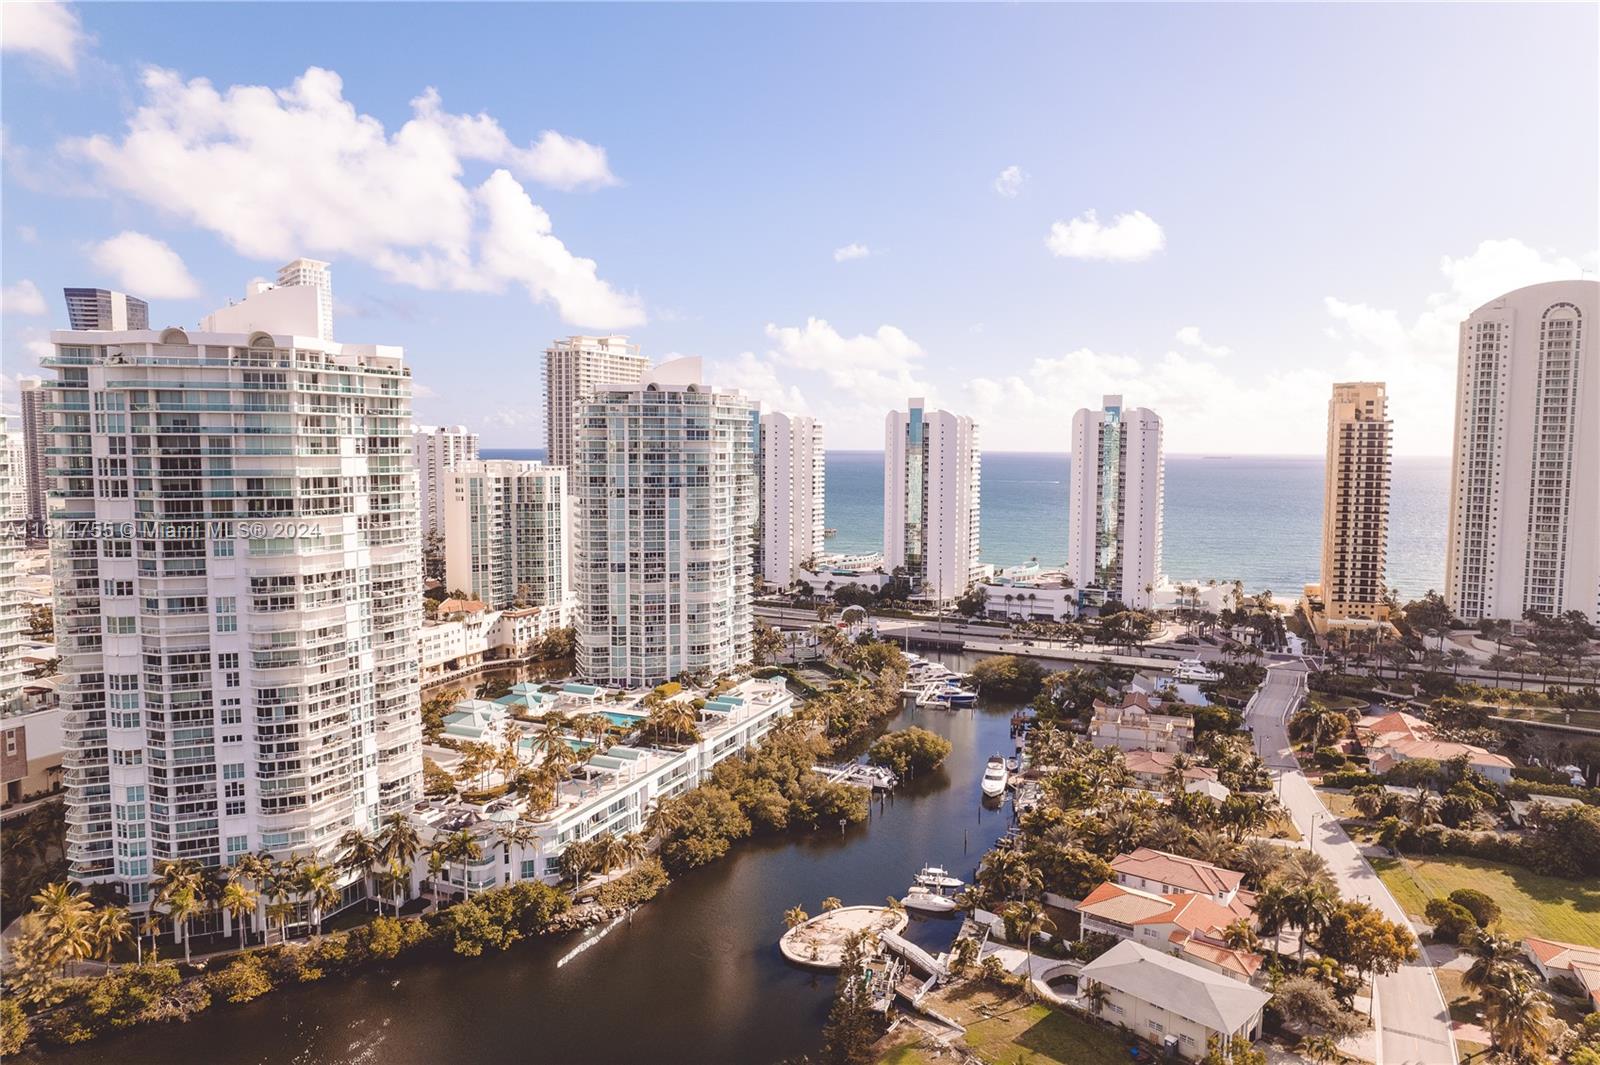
[[13, 508], [1525, 481], [664, 474], [318, 275], [99, 308], [35, 426], [436, 451], [237, 612], [931, 477], [792, 489], [505, 531], [1115, 502], [1355, 503], [575, 369]]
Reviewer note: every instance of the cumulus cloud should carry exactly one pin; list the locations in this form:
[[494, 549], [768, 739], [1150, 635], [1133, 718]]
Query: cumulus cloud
[[1189, 336], [1129, 238], [145, 265], [50, 32], [1416, 357], [300, 171], [851, 251], [1009, 182], [22, 298]]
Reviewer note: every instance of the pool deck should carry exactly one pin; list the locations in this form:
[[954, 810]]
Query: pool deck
[[819, 942]]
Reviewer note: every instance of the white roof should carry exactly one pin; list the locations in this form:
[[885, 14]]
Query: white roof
[[1218, 1002]]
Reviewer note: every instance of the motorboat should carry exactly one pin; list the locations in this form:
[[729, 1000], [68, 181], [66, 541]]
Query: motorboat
[[994, 777], [926, 899], [936, 876]]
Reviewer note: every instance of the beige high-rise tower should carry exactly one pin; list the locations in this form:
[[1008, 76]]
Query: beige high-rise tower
[[1355, 503]]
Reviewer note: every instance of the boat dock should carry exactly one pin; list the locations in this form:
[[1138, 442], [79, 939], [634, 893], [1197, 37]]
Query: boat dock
[[860, 774]]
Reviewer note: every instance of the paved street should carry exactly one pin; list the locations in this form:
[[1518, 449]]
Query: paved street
[[1413, 1024]]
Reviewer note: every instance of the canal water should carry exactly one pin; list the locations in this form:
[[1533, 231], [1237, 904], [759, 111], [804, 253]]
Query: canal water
[[696, 978]]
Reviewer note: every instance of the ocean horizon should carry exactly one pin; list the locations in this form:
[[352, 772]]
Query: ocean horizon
[[1251, 518]]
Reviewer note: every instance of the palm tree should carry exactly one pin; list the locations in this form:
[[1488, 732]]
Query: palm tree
[[831, 903], [182, 904], [278, 882], [634, 847], [399, 844], [280, 910], [360, 855], [1520, 1020], [239, 902], [1494, 962], [1095, 994], [1240, 936], [317, 883], [1422, 809], [1369, 800], [1319, 724], [66, 918], [794, 917], [1321, 1049], [609, 852], [1310, 908], [676, 718], [579, 857], [1303, 868], [1030, 919], [463, 847]]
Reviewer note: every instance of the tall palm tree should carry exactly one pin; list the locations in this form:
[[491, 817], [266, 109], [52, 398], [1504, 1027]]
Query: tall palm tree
[[321, 890], [1095, 994], [66, 917], [239, 902], [463, 847], [609, 852], [1520, 1020], [1495, 962], [181, 878], [182, 904], [278, 882], [359, 854], [399, 844], [1310, 908], [280, 910], [1303, 868], [794, 916], [1030, 919], [578, 858], [1422, 809]]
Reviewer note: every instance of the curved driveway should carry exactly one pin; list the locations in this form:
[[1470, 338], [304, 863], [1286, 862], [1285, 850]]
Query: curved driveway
[[1413, 1025]]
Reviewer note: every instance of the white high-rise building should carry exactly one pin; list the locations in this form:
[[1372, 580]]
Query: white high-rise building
[[318, 275], [437, 450], [35, 438], [793, 480], [1525, 481], [932, 470], [13, 511], [238, 616], [1114, 504], [665, 477], [575, 369], [505, 528]]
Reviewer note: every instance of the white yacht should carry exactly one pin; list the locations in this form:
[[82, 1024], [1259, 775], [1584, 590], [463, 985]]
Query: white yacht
[[927, 899], [994, 777], [936, 876]]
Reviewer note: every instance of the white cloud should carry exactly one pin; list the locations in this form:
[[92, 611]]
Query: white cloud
[[1009, 182], [1129, 238], [758, 378], [1189, 336], [851, 251], [22, 298], [51, 32], [144, 265], [1417, 359], [300, 171]]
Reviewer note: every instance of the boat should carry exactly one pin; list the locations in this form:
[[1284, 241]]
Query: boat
[[922, 898], [994, 777], [936, 876]]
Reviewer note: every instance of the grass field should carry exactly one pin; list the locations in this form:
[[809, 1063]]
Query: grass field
[[1009, 1030], [1530, 904]]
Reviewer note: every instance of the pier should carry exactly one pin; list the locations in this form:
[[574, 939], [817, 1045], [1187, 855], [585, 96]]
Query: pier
[[860, 774]]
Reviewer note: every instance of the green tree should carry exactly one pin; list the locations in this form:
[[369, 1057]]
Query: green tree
[[853, 1025], [909, 750]]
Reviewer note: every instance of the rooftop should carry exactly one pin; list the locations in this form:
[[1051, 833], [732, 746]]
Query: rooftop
[[1218, 1002]]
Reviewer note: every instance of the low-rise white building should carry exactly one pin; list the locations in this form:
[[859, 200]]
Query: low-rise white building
[[1174, 1003], [1138, 724], [614, 791], [829, 573], [30, 753], [1046, 595]]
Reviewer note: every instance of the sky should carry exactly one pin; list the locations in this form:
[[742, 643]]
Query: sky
[[1010, 210]]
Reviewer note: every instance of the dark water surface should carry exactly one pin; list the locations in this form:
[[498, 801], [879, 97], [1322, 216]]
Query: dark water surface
[[697, 978]]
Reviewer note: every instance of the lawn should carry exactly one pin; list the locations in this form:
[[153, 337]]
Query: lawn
[[1012, 1031], [1530, 904]]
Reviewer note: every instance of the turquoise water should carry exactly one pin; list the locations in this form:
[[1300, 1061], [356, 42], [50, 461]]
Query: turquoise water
[[1254, 519]]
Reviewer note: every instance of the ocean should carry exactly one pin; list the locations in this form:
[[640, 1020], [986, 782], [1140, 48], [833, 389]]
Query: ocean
[[1249, 518]]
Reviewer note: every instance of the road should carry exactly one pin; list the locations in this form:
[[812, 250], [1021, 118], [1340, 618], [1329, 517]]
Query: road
[[1412, 1023]]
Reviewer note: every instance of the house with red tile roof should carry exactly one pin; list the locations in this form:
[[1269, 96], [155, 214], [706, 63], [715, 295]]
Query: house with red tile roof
[[1399, 737], [1161, 873], [1572, 961], [1150, 769], [1187, 925]]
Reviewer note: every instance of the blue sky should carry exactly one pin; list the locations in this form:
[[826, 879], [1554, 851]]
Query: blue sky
[[836, 206]]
